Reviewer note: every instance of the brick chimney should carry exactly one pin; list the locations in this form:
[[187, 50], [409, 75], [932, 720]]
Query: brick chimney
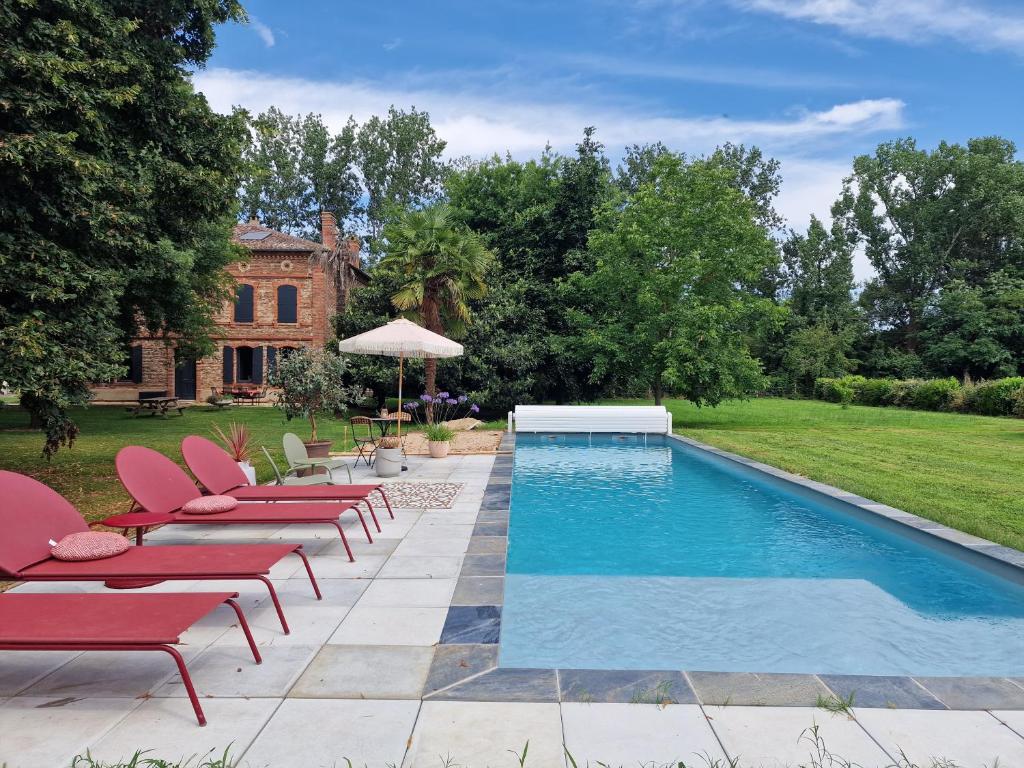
[[354, 246], [328, 230]]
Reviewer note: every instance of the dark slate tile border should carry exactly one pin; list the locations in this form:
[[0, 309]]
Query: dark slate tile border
[[465, 665]]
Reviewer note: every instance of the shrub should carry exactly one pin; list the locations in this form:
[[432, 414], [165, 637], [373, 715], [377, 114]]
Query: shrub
[[878, 392], [930, 394], [995, 398], [828, 389], [312, 383]]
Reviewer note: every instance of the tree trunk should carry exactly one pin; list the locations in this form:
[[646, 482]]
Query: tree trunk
[[657, 388], [431, 313]]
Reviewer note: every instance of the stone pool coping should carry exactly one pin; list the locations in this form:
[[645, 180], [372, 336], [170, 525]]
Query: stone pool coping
[[465, 664]]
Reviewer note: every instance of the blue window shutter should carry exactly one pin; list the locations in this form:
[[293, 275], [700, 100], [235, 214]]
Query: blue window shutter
[[243, 303], [271, 361], [136, 364], [229, 365], [287, 304], [257, 365]]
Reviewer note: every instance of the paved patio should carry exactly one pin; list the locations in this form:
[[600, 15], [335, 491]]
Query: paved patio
[[417, 616]]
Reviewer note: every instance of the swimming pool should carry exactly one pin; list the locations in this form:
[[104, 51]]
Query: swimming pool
[[634, 553]]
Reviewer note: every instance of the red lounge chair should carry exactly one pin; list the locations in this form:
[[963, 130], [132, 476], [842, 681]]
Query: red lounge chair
[[218, 473], [157, 484], [112, 623], [32, 514]]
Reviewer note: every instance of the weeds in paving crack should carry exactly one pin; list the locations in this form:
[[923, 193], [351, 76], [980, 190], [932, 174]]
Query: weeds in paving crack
[[836, 704]]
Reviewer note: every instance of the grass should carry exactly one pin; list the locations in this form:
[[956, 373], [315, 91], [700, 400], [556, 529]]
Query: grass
[[85, 474], [963, 471]]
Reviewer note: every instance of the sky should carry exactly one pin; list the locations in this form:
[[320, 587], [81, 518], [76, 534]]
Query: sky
[[811, 82]]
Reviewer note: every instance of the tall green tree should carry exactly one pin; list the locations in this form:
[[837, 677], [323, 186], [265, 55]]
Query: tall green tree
[[295, 168], [823, 320], [925, 218], [400, 162], [118, 184], [975, 332], [441, 266], [671, 267], [536, 216]]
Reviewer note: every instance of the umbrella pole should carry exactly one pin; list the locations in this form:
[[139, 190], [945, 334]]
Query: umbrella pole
[[400, 395]]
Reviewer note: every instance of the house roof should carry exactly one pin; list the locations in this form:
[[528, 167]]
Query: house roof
[[257, 237]]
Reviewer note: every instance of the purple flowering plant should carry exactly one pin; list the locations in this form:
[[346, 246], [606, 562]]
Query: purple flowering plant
[[446, 407]]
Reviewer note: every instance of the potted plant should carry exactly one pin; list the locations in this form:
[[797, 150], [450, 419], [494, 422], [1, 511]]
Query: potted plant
[[445, 408], [439, 439], [387, 459], [238, 443], [312, 383]]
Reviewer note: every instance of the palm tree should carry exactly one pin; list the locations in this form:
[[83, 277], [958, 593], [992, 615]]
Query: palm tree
[[442, 266]]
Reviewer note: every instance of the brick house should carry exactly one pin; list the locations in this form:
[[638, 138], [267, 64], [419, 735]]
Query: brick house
[[284, 299]]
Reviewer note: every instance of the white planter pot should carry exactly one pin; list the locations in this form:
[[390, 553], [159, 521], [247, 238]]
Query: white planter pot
[[438, 448], [388, 462], [249, 470]]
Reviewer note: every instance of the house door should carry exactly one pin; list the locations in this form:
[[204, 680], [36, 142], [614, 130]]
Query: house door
[[184, 378]]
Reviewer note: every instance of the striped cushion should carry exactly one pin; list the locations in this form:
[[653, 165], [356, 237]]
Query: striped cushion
[[89, 545], [210, 505]]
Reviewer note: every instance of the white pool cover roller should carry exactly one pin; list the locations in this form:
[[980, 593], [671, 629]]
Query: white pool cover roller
[[592, 418]]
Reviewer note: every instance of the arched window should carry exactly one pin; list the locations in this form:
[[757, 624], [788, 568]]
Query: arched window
[[243, 303], [287, 304]]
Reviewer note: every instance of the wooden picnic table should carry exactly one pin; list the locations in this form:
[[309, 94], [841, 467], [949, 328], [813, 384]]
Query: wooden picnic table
[[156, 406]]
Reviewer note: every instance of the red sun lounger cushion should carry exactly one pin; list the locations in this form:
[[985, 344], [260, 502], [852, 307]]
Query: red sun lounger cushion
[[89, 545], [209, 505]]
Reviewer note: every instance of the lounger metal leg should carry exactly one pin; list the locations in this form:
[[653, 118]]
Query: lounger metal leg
[[186, 679], [245, 628], [309, 571], [277, 603], [344, 541], [362, 520], [373, 514], [387, 503]]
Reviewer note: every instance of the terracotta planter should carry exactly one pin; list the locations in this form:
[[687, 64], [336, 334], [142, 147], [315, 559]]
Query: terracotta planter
[[438, 448], [321, 449]]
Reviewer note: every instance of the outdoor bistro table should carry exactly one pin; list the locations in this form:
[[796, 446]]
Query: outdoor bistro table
[[384, 423], [140, 521]]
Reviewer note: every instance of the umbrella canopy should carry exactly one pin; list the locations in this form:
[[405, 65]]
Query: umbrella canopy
[[401, 338]]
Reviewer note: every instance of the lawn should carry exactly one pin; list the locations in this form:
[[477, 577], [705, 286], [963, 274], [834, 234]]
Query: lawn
[[966, 472], [85, 474]]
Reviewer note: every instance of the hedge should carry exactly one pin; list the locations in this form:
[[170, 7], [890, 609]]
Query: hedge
[[1000, 397]]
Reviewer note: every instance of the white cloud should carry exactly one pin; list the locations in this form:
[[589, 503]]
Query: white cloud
[[478, 124], [392, 44], [266, 33], [906, 20]]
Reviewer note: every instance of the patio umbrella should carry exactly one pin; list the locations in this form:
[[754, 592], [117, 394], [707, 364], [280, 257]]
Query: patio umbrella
[[401, 338]]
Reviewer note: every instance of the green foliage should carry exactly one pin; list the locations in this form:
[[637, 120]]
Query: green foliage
[[928, 218], [930, 394], [441, 267], [313, 383], [119, 185], [295, 168], [671, 264], [140, 760], [438, 433], [994, 398], [400, 163]]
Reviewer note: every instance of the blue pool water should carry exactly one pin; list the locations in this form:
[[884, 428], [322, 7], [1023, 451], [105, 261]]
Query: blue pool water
[[626, 555]]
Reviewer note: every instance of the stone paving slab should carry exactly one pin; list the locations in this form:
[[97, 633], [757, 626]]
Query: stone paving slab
[[593, 686], [479, 590], [750, 689], [472, 624], [504, 684], [365, 672], [638, 735], [890, 692]]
